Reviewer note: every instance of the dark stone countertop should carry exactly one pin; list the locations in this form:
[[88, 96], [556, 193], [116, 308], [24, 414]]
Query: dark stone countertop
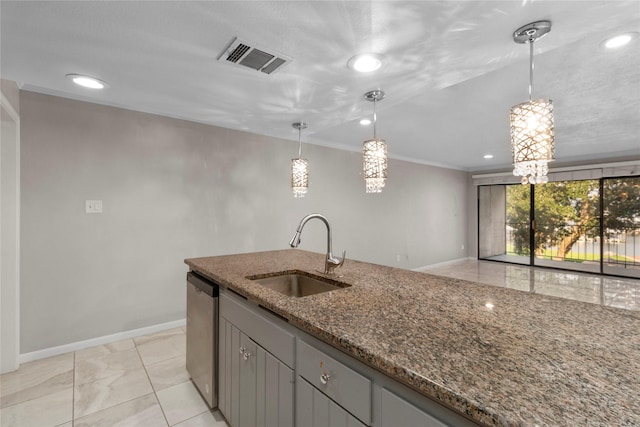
[[530, 360]]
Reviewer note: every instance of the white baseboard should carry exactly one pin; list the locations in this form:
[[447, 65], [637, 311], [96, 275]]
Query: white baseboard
[[75, 346], [443, 264]]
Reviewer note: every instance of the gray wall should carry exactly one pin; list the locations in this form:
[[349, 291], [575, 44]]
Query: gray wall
[[9, 226], [174, 189], [10, 90]]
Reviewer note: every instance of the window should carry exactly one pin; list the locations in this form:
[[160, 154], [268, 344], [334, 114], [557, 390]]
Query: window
[[588, 225], [621, 226]]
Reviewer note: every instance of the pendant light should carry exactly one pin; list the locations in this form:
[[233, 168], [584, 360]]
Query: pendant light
[[299, 167], [374, 152], [532, 129]]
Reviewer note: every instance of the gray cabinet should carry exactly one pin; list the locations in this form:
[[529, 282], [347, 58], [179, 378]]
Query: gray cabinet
[[337, 381], [397, 412], [315, 409], [256, 388], [261, 357], [334, 389]]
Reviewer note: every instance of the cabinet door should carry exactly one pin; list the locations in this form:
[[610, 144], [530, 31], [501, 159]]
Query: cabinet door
[[397, 412], [274, 391], [229, 369], [247, 355], [315, 409], [256, 389]]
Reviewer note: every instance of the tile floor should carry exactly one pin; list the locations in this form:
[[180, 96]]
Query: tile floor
[[134, 382], [597, 289]]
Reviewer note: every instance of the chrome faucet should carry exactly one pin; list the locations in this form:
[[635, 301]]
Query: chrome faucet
[[330, 262]]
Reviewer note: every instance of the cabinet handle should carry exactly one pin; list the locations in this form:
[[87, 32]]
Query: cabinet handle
[[324, 378], [245, 354]]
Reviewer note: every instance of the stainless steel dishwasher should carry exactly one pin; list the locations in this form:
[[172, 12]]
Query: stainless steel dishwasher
[[202, 336]]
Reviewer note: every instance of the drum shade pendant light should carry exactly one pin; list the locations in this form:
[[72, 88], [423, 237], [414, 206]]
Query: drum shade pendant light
[[532, 129], [299, 167], [374, 152]]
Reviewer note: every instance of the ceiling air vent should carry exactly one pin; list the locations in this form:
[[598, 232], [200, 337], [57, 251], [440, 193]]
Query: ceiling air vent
[[247, 54]]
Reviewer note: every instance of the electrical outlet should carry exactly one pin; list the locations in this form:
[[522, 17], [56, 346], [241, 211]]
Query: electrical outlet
[[93, 206]]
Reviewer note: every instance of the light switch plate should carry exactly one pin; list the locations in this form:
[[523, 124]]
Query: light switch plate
[[93, 206]]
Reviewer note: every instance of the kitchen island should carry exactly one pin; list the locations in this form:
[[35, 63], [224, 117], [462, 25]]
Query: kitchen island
[[498, 356]]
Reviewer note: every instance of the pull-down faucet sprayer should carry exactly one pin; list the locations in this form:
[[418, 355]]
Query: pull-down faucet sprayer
[[330, 262]]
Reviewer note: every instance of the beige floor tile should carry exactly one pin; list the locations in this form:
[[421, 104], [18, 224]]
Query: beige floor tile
[[105, 349], [141, 412], [47, 411], [158, 335], [207, 419], [168, 373], [156, 348], [106, 365], [181, 402], [69, 424], [107, 392], [37, 379]]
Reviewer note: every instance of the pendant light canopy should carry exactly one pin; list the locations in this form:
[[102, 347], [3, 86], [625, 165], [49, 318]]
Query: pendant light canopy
[[374, 152], [532, 128], [299, 167]]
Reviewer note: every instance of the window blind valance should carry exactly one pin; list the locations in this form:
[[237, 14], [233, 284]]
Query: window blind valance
[[575, 173]]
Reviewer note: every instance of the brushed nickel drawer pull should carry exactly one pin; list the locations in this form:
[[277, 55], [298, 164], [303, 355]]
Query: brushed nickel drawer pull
[[324, 378]]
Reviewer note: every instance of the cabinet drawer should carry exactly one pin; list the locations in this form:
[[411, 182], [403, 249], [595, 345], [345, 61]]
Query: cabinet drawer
[[345, 386], [262, 328]]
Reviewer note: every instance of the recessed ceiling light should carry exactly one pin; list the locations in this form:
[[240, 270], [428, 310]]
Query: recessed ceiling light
[[365, 122], [365, 62], [488, 156], [619, 40], [86, 81]]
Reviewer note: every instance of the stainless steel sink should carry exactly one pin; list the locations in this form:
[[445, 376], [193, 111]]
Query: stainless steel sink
[[298, 284]]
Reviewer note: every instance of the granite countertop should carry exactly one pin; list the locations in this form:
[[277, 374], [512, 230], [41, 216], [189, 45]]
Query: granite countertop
[[530, 360]]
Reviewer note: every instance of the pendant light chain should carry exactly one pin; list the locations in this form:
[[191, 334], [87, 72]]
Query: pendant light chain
[[374, 118], [530, 67], [300, 139]]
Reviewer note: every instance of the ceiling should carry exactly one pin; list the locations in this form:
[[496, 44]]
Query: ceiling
[[451, 69]]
